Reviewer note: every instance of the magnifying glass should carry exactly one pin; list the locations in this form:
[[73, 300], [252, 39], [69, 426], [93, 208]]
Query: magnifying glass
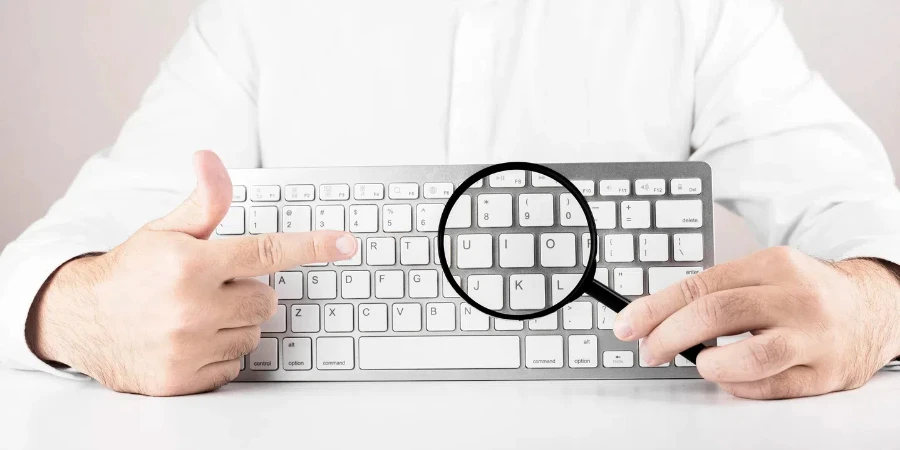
[[519, 256]]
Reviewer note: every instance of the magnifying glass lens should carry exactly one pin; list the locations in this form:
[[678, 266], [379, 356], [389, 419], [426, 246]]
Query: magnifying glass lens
[[517, 241]]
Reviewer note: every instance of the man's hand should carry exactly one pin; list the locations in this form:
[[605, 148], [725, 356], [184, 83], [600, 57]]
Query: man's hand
[[169, 312], [818, 327]]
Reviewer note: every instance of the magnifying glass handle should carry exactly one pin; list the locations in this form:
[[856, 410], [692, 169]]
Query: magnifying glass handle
[[617, 302]]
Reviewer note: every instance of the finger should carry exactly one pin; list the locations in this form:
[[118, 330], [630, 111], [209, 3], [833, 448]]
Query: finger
[[798, 381], [199, 215], [244, 302], [215, 375], [722, 313], [233, 343], [251, 256], [752, 359], [646, 313]]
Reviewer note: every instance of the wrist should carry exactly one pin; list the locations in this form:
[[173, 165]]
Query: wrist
[[879, 285], [62, 311]]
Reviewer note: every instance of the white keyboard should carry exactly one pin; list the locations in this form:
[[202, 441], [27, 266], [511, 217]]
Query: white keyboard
[[388, 314]]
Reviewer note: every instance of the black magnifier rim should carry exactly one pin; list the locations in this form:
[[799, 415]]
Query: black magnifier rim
[[591, 267]]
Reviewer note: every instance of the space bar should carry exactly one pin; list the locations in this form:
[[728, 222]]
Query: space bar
[[439, 352]]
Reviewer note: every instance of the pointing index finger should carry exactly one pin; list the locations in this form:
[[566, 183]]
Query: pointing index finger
[[251, 256]]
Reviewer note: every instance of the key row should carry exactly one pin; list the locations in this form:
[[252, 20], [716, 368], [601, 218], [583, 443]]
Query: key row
[[410, 191], [494, 211], [486, 289], [439, 352]]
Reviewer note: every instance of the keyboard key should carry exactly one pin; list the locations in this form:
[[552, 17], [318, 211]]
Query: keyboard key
[[440, 316], [338, 318], [618, 359], [487, 290], [688, 247], [461, 214], [662, 277], [508, 325], [305, 318], [641, 361], [403, 191], [397, 218], [334, 353], [334, 192], [679, 213], [546, 323], [619, 248], [356, 284], [686, 186], [605, 318], [494, 210], [372, 317], [629, 281], [297, 353], [541, 180], [582, 351], [586, 187], [654, 247], [586, 249], [604, 214], [389, 284], [428, 217], [558, 250], [635, 215], [423, 284], [380, 251], [239, 193], [321, 285], [265, 193], [276, 323], [363, 218], [681, 361], [614, 187], [438, 190], [471, 319], [578, 316], [296, 219], [543, 352], [407, 316], [414, 251], [508, 178], [439, 352], [570, 212], [449, 292], [330, 217], [356, 260], [299, 192], [527, 291], [265, 357], [650, 187], [263, 219], [536, 210], [474, 251], [263, 279], [516, 250], [233, 223], [368, 191], [562, 285], [602, 276]]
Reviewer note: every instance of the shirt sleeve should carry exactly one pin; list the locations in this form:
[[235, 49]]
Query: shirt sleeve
[[786, 153], [203, 98]]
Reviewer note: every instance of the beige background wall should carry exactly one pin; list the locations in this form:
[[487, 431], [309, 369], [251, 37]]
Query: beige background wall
[[72, 70]]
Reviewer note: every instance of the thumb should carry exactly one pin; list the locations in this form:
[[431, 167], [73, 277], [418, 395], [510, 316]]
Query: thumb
[[199, 215]]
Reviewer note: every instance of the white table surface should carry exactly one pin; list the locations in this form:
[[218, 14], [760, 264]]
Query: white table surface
[[38, 411]]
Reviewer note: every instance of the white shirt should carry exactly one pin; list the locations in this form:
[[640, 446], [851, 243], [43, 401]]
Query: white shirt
[[357, 82]]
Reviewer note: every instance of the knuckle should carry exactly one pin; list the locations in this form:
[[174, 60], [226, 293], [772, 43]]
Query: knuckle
[[692, 288], [260, 306], [270, 251], [709, 313]]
